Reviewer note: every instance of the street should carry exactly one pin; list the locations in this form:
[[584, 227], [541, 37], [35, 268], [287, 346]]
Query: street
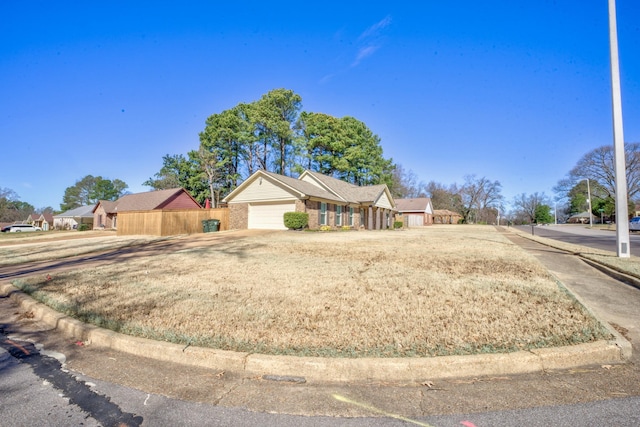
[[583, 235]]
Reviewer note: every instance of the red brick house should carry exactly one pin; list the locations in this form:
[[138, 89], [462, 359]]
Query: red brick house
[[445, 216]]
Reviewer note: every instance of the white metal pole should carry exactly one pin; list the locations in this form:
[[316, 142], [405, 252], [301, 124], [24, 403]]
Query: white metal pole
[[589, 200], [622, 208]]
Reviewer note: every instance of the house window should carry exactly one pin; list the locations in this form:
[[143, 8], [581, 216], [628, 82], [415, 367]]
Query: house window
[[338, 215], [351, 217], [323, 213], [100, 223]]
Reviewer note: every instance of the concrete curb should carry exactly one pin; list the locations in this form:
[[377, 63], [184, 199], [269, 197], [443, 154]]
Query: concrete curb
[[626, 348], [618, 275], [327, 370]]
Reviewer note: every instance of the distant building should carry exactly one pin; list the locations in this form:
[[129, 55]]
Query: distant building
[[72, 219]]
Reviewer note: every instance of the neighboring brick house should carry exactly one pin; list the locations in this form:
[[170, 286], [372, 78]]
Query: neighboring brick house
[[105, 213], [262, 199], [43, 220], [416, 212], [445, 216]]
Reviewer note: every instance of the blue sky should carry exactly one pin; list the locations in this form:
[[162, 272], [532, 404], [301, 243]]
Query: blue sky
[[516, 91]]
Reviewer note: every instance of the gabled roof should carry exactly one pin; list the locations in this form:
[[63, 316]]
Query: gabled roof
[[80, 212], [303, 187], [327, 188], [36, 217], [418, 204], [342, 189], [297, 187], [142, 201], [347, 191], [48, 217], [372, 193], [109, 206]]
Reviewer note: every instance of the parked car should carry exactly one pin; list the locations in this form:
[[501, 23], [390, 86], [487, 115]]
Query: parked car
[[634, 224], [18, 228], [5, 228]]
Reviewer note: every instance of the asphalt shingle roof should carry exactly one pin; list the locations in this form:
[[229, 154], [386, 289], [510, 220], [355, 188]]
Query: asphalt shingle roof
[[304, 187], [350, 192], [140, 201], [82, 211], [145, 201], [418, 204]]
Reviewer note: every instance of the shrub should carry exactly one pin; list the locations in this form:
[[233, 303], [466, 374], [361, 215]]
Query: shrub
[[84, 227], [296, 220], [325, 228], [398, 224]]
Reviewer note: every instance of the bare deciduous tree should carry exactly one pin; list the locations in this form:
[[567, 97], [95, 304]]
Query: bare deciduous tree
[[525, 205], [406, 184], [480, 198], [443, 197], [598, 166]]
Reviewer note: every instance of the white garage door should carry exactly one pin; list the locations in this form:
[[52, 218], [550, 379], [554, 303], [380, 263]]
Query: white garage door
[[269, 216], [415, 220]]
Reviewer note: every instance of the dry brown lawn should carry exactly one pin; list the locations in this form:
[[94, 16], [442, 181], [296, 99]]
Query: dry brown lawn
[[33, 248], [439, 290]]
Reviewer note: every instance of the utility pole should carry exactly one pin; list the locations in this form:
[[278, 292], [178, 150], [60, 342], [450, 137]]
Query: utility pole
[[622, 208]]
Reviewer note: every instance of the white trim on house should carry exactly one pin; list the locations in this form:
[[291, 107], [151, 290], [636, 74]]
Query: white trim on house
[[383, 201], [307, 177], [262, 188]]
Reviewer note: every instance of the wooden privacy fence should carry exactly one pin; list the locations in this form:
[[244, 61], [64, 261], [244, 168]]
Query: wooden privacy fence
[[169, 222]]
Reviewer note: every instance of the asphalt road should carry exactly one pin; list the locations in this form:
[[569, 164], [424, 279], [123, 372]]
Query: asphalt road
[[31, 395], [584, 236]]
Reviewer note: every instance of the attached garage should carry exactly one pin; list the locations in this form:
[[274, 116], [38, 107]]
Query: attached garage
[[269, 216]]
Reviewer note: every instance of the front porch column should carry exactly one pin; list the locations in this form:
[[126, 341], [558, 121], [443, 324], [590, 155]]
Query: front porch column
[[378, 222], [370, 218]]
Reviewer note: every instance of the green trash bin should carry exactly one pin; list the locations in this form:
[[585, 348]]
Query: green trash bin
[[214, 224], [205, 226]]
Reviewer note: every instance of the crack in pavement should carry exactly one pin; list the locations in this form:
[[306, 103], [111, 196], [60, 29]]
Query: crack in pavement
[[97, 406]]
